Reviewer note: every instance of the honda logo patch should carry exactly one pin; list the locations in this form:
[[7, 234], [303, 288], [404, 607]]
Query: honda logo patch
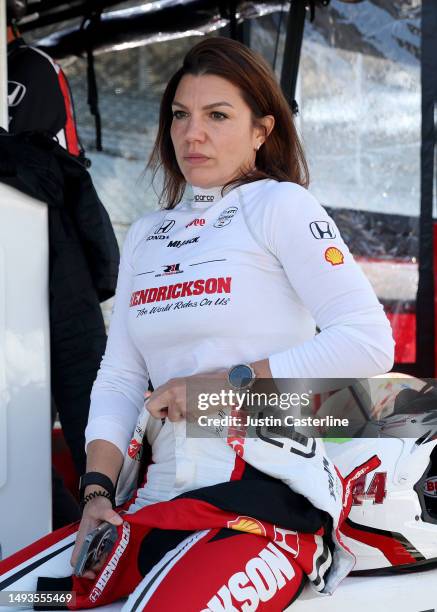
[[16, 92], [165, 227], [161, 230], [321, 230]]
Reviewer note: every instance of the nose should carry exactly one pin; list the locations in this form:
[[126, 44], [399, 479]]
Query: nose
[[195, 130]]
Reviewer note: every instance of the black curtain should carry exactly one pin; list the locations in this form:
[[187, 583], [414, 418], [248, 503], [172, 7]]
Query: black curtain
[[425, 295]]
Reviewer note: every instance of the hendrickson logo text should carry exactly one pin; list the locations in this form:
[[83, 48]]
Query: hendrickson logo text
[[111, 566], [179, 290]]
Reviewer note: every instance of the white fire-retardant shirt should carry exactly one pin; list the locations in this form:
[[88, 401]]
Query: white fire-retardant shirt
[[218, 281]]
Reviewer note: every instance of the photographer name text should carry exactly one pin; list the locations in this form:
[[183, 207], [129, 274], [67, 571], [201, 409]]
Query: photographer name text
[[247, 420]]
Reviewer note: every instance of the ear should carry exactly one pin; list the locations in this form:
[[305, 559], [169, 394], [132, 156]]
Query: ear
[[267, 123]]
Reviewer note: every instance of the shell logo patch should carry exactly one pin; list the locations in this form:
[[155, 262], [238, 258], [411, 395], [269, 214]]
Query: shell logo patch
[[247, 524], [334, 256]]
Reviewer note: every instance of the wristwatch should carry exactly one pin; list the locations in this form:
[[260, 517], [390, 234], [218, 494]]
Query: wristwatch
[[96, 478], [241, 376]]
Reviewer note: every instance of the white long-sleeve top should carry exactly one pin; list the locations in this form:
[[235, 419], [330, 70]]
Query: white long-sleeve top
[[218, 281]]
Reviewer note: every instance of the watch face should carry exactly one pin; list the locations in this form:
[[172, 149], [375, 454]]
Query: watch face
[[240, 376]]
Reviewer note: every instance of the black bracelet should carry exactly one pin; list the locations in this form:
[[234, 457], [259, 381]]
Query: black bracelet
[[96, 478], [95, 494]]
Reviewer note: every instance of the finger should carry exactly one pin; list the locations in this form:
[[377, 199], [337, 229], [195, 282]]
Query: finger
[[164, 396], [157, 410], [74, 554], [158, 413], [176, 413], [80, 538], [89, 574]]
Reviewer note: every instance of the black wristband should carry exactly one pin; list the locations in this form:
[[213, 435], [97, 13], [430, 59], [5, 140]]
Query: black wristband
[[96, 478]]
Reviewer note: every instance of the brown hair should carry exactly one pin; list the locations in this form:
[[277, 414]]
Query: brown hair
[[281, 157]]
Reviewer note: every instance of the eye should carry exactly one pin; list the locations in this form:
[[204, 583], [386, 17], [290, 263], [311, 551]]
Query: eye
[[218, 116], [178, 114]]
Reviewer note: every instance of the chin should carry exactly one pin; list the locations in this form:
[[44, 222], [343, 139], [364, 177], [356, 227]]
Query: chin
[[204, 180], [205, 184]]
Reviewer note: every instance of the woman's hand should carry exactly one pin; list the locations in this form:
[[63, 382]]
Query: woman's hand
[[170, 400], [95, 512]]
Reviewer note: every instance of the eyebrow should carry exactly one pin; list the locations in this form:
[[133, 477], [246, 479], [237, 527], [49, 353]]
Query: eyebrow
[[207, 107]]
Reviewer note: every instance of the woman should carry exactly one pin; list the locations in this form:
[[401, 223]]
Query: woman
[[238, 273]]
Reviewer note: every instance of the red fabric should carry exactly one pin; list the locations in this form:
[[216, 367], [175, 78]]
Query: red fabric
[[71, 138], [349, 482], [123, 568], [239, 467], [266, 563], [195, 583], [391, 548], [211, 566]]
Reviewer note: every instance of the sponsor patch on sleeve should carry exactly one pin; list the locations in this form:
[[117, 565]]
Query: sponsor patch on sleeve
[[334, 256], [322, 230]]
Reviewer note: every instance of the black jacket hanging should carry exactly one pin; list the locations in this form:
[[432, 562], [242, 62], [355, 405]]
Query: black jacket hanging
[[83, 268]]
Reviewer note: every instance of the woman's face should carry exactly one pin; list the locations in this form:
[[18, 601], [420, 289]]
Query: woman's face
[[212, 130]]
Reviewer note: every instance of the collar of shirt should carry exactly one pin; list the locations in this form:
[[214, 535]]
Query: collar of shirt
[[202, 198]]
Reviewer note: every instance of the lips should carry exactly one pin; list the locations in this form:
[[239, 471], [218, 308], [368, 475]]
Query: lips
[[195, 159]]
